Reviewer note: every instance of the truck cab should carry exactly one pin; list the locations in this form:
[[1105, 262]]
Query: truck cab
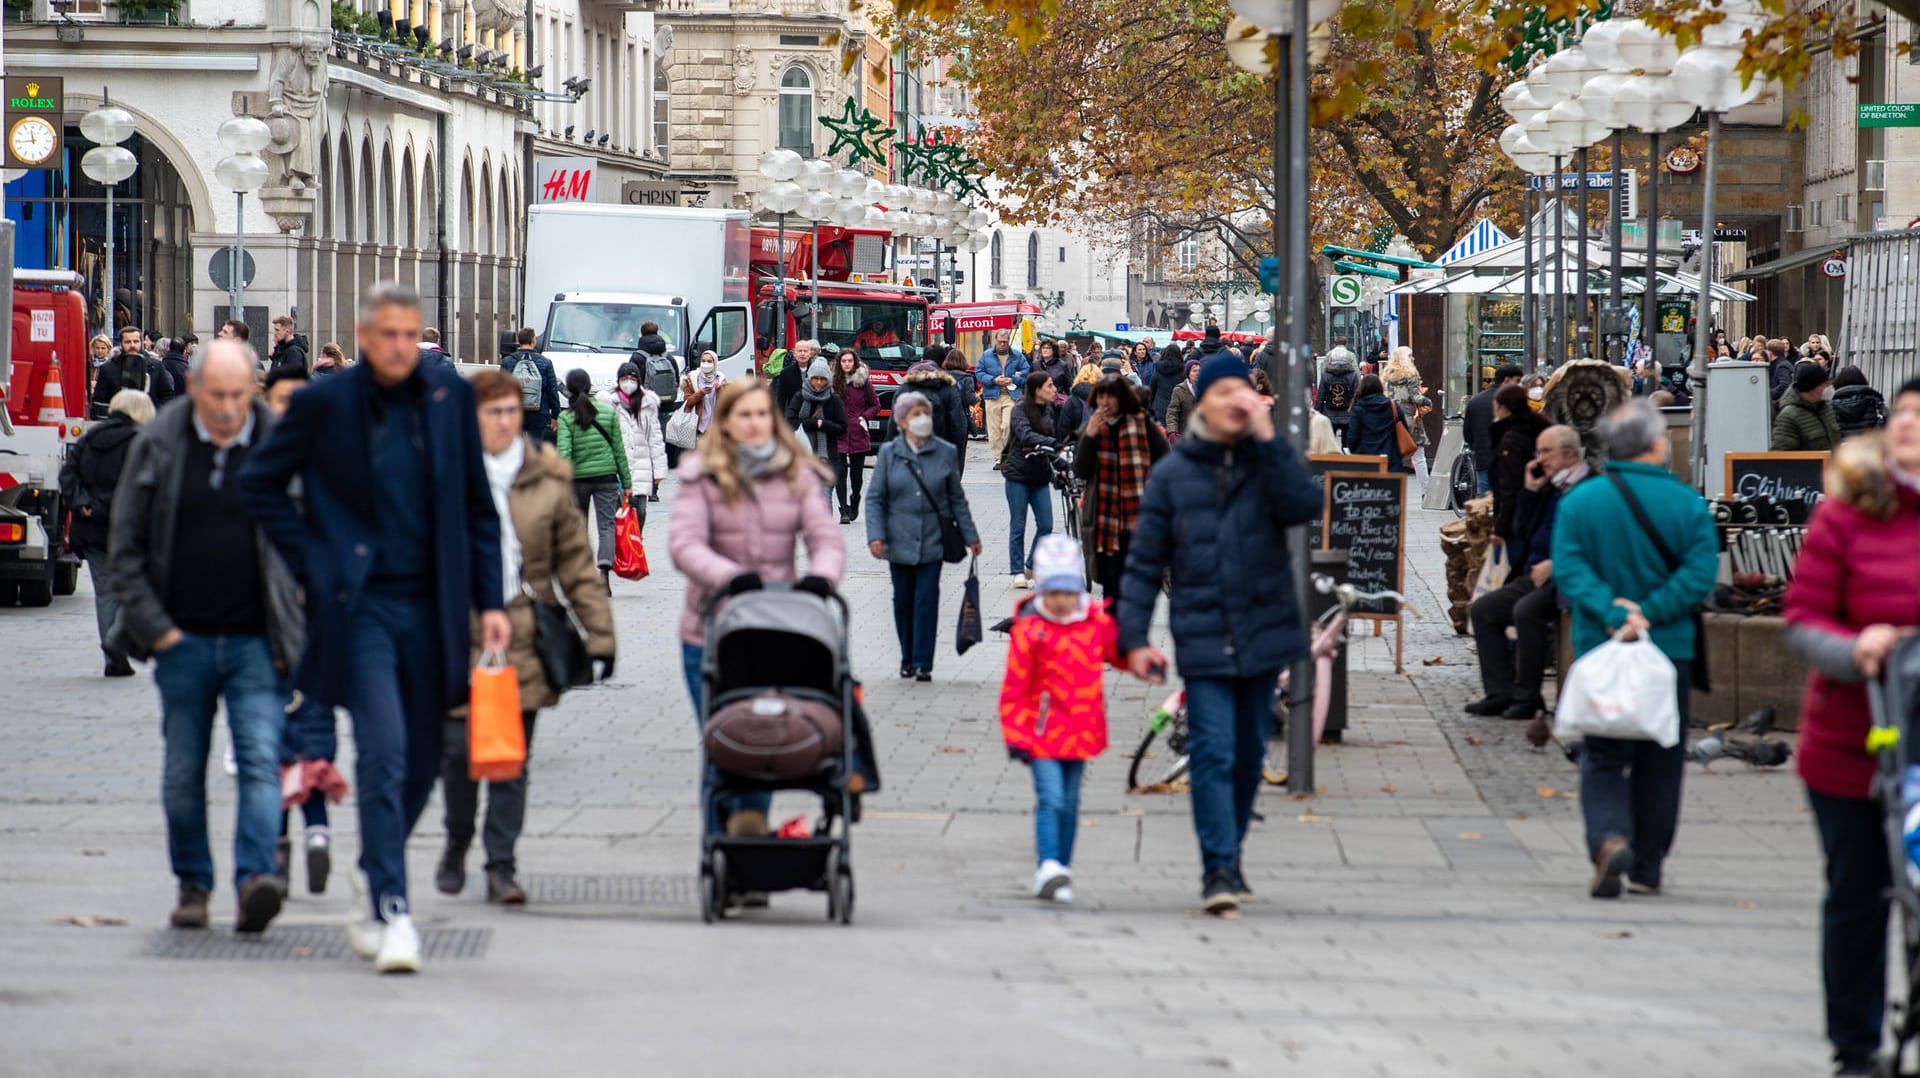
[[885, 325]]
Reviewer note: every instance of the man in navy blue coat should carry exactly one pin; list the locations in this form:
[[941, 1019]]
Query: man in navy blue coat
[[395, 542], [1216, 510]]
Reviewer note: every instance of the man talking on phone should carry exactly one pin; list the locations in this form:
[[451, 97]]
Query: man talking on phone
[[1216, 510]]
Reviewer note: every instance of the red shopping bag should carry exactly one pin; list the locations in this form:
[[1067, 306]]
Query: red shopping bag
[[496, 735], [629, 553]]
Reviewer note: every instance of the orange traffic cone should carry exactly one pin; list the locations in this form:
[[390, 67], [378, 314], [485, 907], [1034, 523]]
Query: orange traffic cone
[[53, 404]]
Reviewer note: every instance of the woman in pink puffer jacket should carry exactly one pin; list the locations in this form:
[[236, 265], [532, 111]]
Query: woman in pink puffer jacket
[[747, 497]]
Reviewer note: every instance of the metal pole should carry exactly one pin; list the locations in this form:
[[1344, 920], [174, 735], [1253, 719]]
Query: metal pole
[[1697, 370], [1649, 311], [1526, 301], [1297, 363], [237, 292], [780, 288], [1613, 222], [1560, 268], [1583, 327], [813, 303], [108, 277]]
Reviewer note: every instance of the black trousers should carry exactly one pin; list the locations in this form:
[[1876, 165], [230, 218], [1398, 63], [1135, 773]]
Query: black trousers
[[1853, 921], [1110, 567], [850, 474], [1517, 670], [506, 801]]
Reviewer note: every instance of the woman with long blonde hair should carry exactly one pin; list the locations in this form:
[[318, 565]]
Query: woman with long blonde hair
[[749, 495], [1401, 381]]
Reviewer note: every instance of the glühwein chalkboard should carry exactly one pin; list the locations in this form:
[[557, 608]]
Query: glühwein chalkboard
[[1365, 515], [1793, 480]]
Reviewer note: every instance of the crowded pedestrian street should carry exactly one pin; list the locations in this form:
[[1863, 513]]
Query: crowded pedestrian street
[[1424, 913]]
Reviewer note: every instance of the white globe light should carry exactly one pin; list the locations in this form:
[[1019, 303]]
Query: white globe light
[[1278, 14], [1602, 43], [1518, 101], [977, 219], [815, 174], [850, 213], [1705, 77], [974, 243], [1644, 49], [1262, 315], [1544, 138], [1742, 17], [819, 206], [875, 218], [783, 196], [1646, 102], [244, 134], [780, 164], [110, 126], [870, 192], [1572, 127], [1598, 98], [1250, 47], [847, 183], [918, 199], [1531, 159], [1510, 137], [109, 164], [243, 172], [1542, 88], [1569, 69], [894, 196]]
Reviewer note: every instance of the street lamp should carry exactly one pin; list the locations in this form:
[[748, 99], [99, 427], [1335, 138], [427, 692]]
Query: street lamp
[[1647, 103], [242, 171], [781, 196], [1601, 42], [1573, 126], [107, 164], [1706, 78]]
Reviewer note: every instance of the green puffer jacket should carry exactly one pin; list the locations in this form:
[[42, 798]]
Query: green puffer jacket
[[1804, 426], [596, 451]]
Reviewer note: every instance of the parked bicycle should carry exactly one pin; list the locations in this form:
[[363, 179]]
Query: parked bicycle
[[1463, 485], [1168, 722]]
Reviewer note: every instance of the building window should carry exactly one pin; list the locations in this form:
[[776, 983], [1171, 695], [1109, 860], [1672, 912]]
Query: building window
[[799, 39], [1186, 253], [1033, 260], [662, 110], [1063, 254], [994, 274], [796, 111]]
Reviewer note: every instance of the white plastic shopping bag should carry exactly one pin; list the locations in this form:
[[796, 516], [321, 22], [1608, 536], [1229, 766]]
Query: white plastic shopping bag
[[1493, 570], [1623, 689]]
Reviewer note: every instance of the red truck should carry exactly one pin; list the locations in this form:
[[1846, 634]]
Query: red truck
[[42, 415]]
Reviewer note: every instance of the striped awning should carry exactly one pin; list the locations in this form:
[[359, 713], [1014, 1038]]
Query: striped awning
[[1482, 237]]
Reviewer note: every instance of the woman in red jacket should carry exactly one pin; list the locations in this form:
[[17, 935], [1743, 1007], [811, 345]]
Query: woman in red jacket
[[1053, 705], [1855, 593]]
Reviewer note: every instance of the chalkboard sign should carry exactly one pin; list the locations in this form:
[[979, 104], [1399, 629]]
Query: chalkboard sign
[[1365, 515], [1794, 481]]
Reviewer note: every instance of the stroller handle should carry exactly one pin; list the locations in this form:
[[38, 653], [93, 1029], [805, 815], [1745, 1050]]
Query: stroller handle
[[747, 582]]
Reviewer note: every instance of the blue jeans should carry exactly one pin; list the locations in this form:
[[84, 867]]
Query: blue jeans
[[1632, 789], [193, 676], [398, 724], [1481, 484], [1020, 496], [1227, 724], [690, 656], [916, 611], [1056, 808]]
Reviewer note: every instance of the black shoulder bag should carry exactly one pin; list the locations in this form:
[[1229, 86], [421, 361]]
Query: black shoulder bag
[[1701, 680], [953, 543]]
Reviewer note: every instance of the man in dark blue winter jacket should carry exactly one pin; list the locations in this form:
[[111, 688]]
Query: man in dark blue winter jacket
[[1216, 510]]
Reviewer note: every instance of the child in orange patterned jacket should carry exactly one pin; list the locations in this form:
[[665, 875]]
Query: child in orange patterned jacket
[[1053, 708]]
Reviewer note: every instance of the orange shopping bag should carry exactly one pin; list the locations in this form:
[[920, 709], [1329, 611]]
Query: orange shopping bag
[[629, 554], [496, 737]]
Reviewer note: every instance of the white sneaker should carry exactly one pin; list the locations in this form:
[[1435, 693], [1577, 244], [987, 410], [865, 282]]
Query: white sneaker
[[1050, 878], [1064, 895], [1020, 581], [399, 947], [364, 934]]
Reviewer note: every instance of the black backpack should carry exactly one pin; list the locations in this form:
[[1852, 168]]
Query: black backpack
[[133, 371], [662, 376]]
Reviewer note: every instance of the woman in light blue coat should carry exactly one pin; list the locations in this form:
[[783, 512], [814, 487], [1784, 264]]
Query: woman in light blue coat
[[916, 480]]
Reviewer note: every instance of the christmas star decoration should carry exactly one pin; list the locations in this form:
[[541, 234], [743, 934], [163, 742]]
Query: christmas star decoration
[[1076, 324], [857, 132]]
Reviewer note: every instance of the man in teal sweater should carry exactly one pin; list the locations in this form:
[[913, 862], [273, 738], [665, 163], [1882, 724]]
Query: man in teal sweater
[[1616, 578]]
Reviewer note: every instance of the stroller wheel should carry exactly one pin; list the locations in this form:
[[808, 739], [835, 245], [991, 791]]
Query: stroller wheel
[[839, 888], [713, 891]]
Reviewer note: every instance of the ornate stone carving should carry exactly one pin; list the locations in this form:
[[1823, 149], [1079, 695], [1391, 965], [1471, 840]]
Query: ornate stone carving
[[290, 207], [498, 14], [294, 91], [742, 71]]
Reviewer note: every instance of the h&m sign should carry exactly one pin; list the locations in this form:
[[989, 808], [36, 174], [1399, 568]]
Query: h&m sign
[[565, 179]]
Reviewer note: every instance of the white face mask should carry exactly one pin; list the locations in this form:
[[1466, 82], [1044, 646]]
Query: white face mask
[[920, 426], [1826, 393], [707, 368], [1537, 393], [629, 386]]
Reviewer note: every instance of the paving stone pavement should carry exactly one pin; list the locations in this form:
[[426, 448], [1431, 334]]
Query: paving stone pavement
[[1424, 914]]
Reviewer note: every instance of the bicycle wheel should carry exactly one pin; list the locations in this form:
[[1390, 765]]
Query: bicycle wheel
[[1140, 754], [1463, 485], [1176, 742]]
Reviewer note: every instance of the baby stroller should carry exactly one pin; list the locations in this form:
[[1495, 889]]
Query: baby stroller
[[778, 714], [1895, 704]]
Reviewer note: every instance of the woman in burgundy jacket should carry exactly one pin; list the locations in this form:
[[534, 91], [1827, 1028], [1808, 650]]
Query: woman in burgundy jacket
[[1855, 593]]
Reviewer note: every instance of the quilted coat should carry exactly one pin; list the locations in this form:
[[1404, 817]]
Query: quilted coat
[[1053, 701]]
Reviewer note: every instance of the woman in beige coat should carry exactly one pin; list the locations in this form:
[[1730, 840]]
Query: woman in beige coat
[[545, 552]]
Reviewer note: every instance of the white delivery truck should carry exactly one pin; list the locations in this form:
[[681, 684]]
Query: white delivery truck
[[597, 272]]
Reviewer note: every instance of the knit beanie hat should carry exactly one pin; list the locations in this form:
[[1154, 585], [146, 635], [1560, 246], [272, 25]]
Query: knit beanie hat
[[1808, 375], [819, 369], [1224, 364], [1058, 564]]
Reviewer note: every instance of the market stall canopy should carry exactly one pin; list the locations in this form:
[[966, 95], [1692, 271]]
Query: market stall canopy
[[1483, 236], [988, 315], [1792, 262]]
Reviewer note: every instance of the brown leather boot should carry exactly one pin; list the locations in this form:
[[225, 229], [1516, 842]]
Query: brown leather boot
[[191, 912]]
